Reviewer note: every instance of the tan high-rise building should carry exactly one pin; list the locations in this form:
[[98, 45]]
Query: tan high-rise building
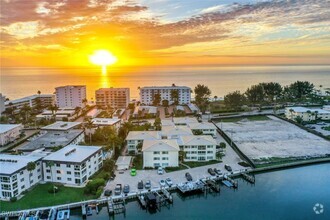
[[112, 97]]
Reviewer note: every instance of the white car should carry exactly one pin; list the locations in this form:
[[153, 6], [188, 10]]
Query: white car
[[162, 183], [169, 182], [160, 170]]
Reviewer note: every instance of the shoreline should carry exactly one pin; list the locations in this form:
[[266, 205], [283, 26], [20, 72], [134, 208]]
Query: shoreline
[[103, 200]]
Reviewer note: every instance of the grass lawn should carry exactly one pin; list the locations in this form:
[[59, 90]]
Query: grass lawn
[[326, 128], [193, 164], [250, 118], [39, 197]]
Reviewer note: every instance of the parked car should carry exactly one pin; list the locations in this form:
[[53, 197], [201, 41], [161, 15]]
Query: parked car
[[118, 189], [189, 177], [126, 188], [227, 167], [140, 184], [147, 184], [107, 192], [162, 183], [217, 171], [169, 182], [133, 172], [160, 170], [211, 171]]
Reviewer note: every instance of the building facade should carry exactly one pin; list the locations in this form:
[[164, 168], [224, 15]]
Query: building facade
[[205, 128], [72, 165], [198, 148], [307, 114], [112, 97], [147, 94], [134, 138], [14, 175], [160, 153], [9, 133], [31, 101], [70, 96], [2, 103]]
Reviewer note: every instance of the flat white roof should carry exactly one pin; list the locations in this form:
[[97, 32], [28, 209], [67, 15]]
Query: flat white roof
[[149, 109], [123, 162], [176, 130], [201, 125], [143, 135], [105, 121], [165, 87], [184, 120], [73, 153], [61, 126], [28, 98], [303, 109], [10, 164], [160, 145], [7, 127]]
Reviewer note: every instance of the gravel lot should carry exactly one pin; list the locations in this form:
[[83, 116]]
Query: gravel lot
[[275, 138]]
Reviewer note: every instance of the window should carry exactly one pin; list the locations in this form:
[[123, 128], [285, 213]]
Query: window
[[164, 158], [22, 187], [68, 172], [68, 166], [164, 152], [48, 177], [47, 171], [39, 177], [59, 178], [210, 152], [156, 152], [58, 165], [22, 172], [156, 158], [22, 180], [58, 171], [69, 179]]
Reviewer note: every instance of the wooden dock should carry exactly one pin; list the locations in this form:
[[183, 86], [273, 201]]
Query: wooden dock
[[116, 206], [249, 178]]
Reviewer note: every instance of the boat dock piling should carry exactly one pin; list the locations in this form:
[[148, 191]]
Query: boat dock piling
[[116, 206], [83, 210], [232, 182], [211, 184], [249, 178]]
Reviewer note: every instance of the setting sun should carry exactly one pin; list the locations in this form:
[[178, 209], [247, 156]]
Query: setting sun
[[103, 58]]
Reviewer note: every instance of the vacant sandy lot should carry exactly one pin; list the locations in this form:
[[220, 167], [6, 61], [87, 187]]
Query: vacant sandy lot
[[275, 138]]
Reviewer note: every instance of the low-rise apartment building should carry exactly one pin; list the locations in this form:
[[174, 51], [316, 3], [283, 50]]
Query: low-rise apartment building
[[72, 165], [112, 97], [198, 148], [205, 128], [307, 114], [15, 176], [134, 138], [9, 133], [111, 122], [31, 101], [147, 94], [164, 153]]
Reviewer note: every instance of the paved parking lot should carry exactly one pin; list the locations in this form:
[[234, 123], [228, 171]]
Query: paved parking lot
[[318, 128], [231, 159]]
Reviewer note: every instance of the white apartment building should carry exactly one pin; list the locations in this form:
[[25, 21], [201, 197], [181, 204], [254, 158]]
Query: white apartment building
[[73, 164], [164, 153], [61, 126], [147, 94], [179, 121], [307, 114], [198, 147], [111, 122], [70, 96], [45, 100], [136, 137], [61, 113], [2, 103], [175, 132], [206, 128], [9, 133], [112, 97], [14, 176]]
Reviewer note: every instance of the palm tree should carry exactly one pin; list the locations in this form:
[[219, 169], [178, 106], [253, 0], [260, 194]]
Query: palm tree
[[30, 167], [84, 101], [89, 126], [50, 164], [77, 110], [25, 110], [175, 96]]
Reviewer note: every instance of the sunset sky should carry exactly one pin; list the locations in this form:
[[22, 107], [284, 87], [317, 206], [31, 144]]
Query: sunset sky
[[165, 32]]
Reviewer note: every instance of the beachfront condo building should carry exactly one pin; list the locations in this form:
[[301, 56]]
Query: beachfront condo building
[[112, 97], [307, 114], [147, 94], [198, 147], [164, 153], [9, 133], [70, 96], [72, 165], [15, 177], [31, 101], [2, 103]]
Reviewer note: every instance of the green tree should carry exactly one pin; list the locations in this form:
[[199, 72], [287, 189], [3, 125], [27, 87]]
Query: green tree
[[165, 103], [156, 99], [234, 100], [272, 90], [202, 95], [175, 96], [158, 124], [301, 89], [255, 94], [30, 167], [25, 111], [89, 125]]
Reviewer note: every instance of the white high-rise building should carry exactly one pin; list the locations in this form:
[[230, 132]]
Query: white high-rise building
[[70, 96], [14, 175], [147, 94], [113, 97]]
